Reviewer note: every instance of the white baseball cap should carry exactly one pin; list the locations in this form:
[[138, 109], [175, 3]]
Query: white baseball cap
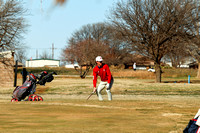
[[99, 58]]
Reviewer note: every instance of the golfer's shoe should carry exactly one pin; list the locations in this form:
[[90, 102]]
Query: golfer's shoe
[[109, 95]]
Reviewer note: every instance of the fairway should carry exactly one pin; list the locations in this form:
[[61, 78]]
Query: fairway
[[138, 106]]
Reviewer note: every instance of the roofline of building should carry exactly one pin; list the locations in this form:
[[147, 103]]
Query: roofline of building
[[42, 59]]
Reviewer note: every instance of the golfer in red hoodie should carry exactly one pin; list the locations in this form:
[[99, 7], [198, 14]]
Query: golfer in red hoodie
[[103, 71]]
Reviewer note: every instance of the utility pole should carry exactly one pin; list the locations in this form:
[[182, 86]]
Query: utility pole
[[36, 54], [52, 51], [15, 79]]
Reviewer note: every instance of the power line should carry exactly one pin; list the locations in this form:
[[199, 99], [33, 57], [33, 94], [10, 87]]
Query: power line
[[53, 49], [40, 48]]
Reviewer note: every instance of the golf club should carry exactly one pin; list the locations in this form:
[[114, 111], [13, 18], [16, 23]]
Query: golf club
[[90, 95]]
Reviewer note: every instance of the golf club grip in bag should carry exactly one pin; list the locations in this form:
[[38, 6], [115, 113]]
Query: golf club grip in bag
[[47, 78]]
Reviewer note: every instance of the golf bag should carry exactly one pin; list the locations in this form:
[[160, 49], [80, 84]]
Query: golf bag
[[29, 87], [45, 77], [192, 127]]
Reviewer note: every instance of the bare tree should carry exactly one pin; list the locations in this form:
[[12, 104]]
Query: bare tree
[[12, 24], [20, 54], [93, 40], [87, 43], [119, 52], [193, 45], [194, 49], [45, 55], [152, 26], [178, 55]]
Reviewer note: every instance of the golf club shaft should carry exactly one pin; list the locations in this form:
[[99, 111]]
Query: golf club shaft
[[90, 95]]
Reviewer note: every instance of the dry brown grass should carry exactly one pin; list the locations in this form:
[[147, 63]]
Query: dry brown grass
[[134, 74], [138, 106], [135, 113]]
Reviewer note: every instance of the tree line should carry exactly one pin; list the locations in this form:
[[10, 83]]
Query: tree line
[[155, 29], [152, 28]]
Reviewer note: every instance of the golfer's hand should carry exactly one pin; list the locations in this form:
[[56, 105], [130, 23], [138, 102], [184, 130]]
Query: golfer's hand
[[95, 89]]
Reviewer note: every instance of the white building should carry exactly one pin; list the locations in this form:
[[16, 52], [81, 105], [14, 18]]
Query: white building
[[72, 65], [42, 63]]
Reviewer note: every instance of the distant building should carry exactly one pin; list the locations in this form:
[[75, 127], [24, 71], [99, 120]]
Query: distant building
[[187, 63], [42, 63], [194, 65], [142, 62], [72, 65]]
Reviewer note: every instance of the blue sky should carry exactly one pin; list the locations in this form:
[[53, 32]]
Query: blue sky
[[50, 24]]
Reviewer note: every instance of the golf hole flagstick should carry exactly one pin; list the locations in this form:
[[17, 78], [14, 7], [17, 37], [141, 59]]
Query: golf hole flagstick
[[91, 94]]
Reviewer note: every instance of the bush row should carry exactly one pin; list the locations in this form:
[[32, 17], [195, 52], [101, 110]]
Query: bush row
[[118, 72], [58, 70]]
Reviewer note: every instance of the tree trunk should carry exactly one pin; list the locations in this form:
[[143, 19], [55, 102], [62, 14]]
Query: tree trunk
[[198, 72], [158, 72]]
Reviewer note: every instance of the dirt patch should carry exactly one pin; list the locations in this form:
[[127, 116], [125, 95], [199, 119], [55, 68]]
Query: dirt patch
[[171, 114], [41, 89]]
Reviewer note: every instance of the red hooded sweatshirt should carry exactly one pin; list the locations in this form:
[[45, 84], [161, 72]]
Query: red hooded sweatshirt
[[103, 72]]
